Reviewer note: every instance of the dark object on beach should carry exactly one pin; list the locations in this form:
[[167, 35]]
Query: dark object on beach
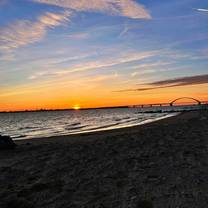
[[144, 204], [6, 143]]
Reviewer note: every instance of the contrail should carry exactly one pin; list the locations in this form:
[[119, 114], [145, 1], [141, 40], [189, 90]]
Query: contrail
[[202, 10]]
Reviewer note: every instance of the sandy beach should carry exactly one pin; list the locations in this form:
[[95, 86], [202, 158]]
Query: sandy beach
[[162, 165]]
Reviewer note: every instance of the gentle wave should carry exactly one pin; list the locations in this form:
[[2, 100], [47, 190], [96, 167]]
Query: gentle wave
[[28, 127], [74, 124], [19, 136], [75, 127], [44, 124]]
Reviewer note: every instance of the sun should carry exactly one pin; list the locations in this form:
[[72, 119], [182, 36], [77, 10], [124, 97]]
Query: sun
[[76, 107]]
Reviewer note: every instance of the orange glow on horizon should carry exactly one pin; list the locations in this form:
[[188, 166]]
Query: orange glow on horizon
[[76, 107], [74, 98]]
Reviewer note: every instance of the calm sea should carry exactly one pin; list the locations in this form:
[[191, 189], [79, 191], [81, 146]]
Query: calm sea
[[51, 123]]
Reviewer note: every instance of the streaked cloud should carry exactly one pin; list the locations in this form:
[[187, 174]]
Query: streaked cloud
[[102, 63], [127, 8], [24, 32], [7, 57], [125, 30], [117, 60], [79, 36], [100, 78], [84, 82], [202, 10], [149, 68], [177, 82]]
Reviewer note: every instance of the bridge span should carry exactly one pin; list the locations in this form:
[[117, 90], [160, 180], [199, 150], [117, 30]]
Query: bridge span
[[189, 98], [173, 103]]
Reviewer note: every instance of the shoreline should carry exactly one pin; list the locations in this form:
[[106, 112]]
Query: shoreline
[[147, 121], [163, 164]]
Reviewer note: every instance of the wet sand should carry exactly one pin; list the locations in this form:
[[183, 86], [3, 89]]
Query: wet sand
[[162, 165]]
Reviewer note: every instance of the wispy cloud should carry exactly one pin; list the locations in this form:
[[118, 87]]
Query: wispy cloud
[[93, 65], [124, 31], [84, 82], [79, 36], [24, 32], [199, 79], [101, 78], [149, 68], [177, 82], [7, 57], [116, 60], [202, 10], [127, 8]]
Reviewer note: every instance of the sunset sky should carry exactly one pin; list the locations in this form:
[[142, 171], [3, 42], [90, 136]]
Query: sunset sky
[[95, 53]]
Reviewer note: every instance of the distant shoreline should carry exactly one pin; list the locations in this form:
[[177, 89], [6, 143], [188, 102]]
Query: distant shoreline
[[98, 108], [67, 109]]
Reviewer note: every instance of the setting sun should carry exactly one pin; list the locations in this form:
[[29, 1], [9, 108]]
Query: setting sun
[[76, 107]]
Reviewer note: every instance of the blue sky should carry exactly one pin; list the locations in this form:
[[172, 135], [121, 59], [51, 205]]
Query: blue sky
[[118, 44]]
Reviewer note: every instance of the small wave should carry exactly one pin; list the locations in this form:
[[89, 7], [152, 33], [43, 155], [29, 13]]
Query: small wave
[[39, 129], [118, 119], [130, 120], [127, 117], [28, 127], [18, 136], [116, 124], [121, 119], [119, 123], [74, 124], [103, 127], [74, 127]]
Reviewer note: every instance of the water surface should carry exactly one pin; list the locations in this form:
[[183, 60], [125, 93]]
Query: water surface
[[27, 125]]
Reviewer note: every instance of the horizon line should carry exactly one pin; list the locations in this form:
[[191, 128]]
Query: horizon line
[[94, 108]]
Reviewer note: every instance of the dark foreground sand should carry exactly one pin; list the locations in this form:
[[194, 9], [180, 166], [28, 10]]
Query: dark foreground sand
[[164, 164]]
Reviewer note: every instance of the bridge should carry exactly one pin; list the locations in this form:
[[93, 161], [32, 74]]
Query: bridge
[[189, 98], [171, 104]]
